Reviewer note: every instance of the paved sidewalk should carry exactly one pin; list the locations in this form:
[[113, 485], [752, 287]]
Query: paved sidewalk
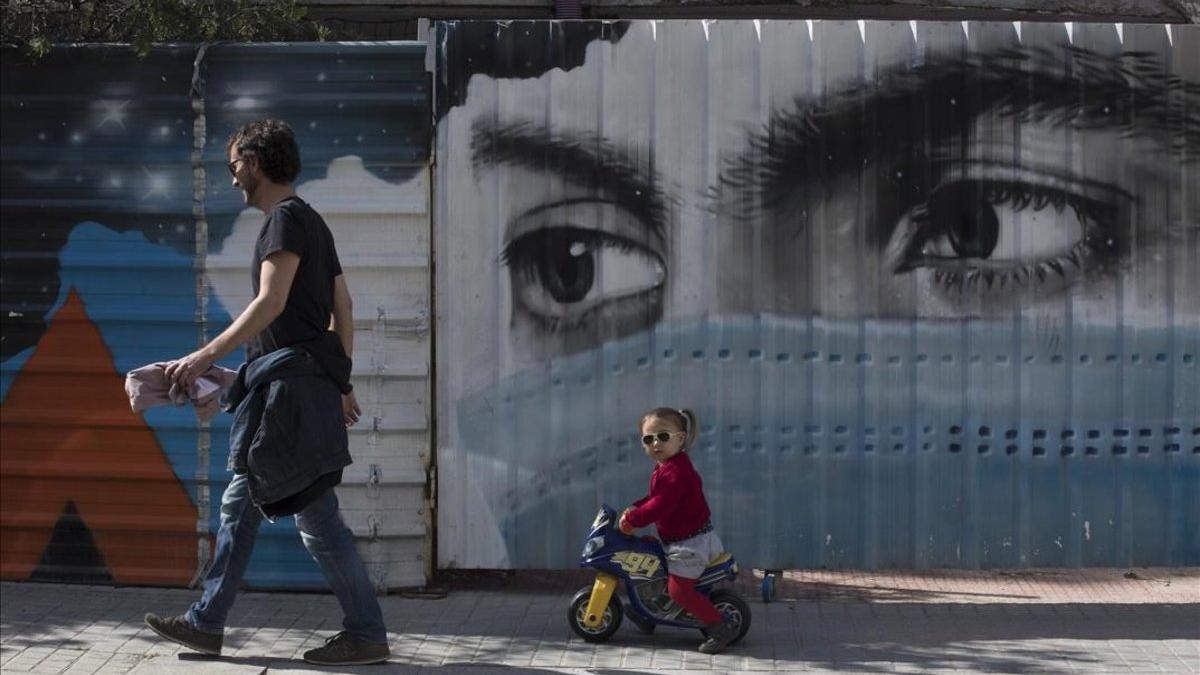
[[1144, 620]]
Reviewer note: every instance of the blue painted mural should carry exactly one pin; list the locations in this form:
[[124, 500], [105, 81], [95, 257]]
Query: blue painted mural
[[932, 289], [117, 213]]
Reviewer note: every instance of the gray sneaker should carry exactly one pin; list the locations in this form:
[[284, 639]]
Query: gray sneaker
[[719, 637], [343, 649], [179, 629]]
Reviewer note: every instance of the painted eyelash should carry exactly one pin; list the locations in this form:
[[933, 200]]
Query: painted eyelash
[[521, 254], [586, 319], [1021, 195], [1094, 216], [1018, 196], [1020, 275]]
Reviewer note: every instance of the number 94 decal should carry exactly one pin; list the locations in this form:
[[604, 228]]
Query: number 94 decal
[[637, 564]]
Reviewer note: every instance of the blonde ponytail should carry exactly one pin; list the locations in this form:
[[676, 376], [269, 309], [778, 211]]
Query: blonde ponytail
[[690, 426]]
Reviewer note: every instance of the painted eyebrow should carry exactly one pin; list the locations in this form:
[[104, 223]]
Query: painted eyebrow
[[587, 161], [1130, 92]]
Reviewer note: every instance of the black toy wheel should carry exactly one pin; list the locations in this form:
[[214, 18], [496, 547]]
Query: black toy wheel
[[609, 622], [734, 609]]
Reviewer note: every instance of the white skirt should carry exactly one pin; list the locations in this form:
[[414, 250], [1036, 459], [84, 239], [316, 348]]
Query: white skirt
[[689, 558]]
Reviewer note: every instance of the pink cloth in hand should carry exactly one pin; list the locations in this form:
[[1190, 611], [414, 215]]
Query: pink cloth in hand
[[148, 387]]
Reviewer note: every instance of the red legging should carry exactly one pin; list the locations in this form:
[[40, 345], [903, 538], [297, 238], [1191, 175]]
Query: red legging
[[683, 592]]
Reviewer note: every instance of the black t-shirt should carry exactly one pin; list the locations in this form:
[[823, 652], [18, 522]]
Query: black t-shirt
[[293, 225]]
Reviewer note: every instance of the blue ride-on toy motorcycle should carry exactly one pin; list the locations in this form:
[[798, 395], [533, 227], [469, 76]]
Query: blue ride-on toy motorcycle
[[596, 611]]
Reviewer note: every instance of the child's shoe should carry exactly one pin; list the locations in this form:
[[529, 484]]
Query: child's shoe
[[719, 637]]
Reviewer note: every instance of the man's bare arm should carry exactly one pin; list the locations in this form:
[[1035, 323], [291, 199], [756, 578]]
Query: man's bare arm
[[342, 323], [275, 282]]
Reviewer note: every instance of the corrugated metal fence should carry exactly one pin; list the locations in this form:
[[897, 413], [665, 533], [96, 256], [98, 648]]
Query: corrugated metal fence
[[932, 288], [123, 244]]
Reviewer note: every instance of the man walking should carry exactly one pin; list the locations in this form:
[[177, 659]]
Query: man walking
[[292, 403]]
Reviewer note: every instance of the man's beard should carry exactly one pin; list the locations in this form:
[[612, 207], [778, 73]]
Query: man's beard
[[249, 187]]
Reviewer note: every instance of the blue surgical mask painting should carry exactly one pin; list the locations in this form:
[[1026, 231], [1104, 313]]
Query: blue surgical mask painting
[[933, 290]]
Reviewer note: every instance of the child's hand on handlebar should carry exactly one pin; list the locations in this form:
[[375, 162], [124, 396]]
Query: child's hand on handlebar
[[624, 525]]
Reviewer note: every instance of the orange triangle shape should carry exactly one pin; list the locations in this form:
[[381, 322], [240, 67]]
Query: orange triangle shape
[[68, 434]]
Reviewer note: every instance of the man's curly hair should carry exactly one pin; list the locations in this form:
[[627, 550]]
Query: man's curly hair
[[272, 145]]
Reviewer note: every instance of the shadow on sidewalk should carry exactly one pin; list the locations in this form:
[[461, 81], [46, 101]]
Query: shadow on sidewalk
[[882, 637], [949, 585], [858, 637], [396, 666]]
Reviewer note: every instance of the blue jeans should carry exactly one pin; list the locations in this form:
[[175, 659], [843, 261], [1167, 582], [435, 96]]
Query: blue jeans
[[324, 535]]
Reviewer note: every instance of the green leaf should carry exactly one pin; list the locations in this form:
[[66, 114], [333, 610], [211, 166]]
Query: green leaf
[[38, 24]]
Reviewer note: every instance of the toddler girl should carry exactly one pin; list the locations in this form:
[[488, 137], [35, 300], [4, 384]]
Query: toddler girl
[[677, 507]]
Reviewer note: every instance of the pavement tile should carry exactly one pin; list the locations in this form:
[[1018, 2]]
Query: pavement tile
[[171, 666], [825, 621]]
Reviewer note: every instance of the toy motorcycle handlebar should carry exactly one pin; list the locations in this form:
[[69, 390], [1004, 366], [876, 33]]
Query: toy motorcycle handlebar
[[613, 521]]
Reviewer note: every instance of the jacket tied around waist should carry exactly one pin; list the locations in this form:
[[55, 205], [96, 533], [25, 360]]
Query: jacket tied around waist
[[288, 428]]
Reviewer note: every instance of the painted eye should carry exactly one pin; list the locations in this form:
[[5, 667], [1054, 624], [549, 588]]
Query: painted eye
[[566, 270], [985, 234], [566, 265], [969, 224]]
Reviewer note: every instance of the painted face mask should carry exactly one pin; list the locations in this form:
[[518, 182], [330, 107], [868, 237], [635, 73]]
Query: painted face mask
[[829, 436]]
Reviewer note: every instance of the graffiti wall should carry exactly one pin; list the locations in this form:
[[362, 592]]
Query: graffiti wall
[[933, 289], [124, 244]]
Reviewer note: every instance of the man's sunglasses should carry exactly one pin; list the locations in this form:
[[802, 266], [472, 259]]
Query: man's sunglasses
[[661, 437], [233, 165]]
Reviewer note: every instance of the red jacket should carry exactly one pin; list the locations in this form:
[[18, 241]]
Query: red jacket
[[676, 503]]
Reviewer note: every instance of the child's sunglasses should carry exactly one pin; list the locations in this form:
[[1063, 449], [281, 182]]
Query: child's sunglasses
[[661, 437]]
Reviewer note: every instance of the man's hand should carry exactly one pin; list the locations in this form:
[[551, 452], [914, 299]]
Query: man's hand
[[187, 370], [350, 408]]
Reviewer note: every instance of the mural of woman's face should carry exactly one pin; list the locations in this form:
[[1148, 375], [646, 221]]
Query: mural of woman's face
[[929, 174], [826, 237]]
